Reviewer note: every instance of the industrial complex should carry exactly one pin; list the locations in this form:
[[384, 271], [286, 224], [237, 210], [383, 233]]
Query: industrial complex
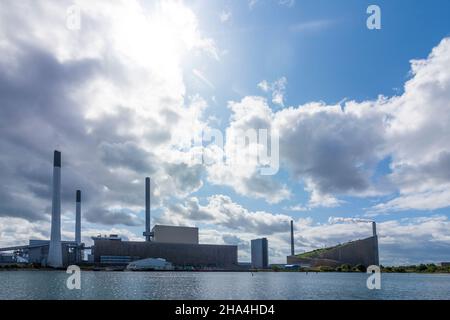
[[168, 247], [177, 245]]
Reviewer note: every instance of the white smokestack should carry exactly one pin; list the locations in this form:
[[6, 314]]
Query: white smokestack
[[55, 249], [78, 218]]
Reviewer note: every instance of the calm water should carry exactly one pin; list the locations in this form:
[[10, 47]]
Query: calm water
[[226, 285]]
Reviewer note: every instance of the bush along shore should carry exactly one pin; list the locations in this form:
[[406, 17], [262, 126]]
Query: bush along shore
[[422, 268]]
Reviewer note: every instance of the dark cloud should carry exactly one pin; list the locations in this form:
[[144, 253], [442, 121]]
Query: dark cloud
[[126, 155], [112, 217], [186, 178], [338, 151]]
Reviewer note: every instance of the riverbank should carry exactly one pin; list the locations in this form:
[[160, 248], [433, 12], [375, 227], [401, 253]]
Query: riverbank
[[419, 269]]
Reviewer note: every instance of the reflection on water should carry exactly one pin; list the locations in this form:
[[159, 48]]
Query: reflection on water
[[220, 285]]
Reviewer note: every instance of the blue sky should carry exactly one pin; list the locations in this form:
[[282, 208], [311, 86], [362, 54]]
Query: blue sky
[[327, 54], [363, 118]]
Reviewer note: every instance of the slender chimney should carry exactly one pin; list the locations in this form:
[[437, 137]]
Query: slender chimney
[[147, 210], [78, 218], [374, 228], [292, 238], [54, 258]]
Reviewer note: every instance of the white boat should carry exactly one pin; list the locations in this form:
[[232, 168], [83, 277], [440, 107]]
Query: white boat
[[149, 264]]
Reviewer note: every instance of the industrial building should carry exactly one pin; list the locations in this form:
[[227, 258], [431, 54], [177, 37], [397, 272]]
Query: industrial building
[[260, 253], [107, 251], [54, 252], [177, 245], [359, 252], [171, 234]]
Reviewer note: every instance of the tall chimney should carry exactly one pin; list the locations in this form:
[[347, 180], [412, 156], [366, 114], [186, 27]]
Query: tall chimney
[[54, 258], [292, 238], [147, 210], [374, 228], [78, 218]]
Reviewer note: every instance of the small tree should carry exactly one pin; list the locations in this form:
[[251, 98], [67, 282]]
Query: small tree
[[422, 268], [346, 268], [360, 268]]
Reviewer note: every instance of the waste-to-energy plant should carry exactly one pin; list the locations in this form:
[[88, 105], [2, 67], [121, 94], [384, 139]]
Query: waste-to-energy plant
[[177, 245], [359, 252]]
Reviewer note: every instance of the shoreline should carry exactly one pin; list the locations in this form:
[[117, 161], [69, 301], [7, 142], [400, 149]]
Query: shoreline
[[106, 269]]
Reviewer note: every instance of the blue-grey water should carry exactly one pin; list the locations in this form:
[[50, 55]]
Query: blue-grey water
[[220, 285]]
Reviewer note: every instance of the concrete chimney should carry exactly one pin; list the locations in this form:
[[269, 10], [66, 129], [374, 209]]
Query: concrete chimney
[[374, 228], [55, 249], [147, 232], [292, 238], [78, 218]]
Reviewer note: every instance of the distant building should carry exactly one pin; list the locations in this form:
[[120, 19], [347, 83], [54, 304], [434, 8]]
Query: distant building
[[260, 253], [445, 264], [38, 252], [360, 252], [175, 234], [364, 252]]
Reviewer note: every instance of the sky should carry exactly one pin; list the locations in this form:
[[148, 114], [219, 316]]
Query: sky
[[358, 118]]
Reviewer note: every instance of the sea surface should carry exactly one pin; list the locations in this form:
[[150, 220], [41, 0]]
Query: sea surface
[[221, 285]]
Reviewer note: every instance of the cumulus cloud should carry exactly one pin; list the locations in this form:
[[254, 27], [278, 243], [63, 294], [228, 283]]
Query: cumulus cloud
[[276, 88], [223, 212], [243, 172], [112, 98], [225, 16], [335, 150]]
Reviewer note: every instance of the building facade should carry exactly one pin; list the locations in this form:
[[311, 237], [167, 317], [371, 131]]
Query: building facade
[[260, 253], [179, 254], [175, 234]]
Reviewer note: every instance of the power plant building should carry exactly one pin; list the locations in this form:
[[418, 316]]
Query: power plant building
[[260, 253], [175, 244], [171, 234], [359, 252], [179, 254]]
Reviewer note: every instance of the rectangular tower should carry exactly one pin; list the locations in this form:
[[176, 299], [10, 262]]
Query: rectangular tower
[[260, 253]]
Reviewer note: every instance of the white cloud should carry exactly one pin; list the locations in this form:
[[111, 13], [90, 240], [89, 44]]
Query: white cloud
[[243, 172], [110, 96], [221, 211], [276, 88], [335, 149]]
